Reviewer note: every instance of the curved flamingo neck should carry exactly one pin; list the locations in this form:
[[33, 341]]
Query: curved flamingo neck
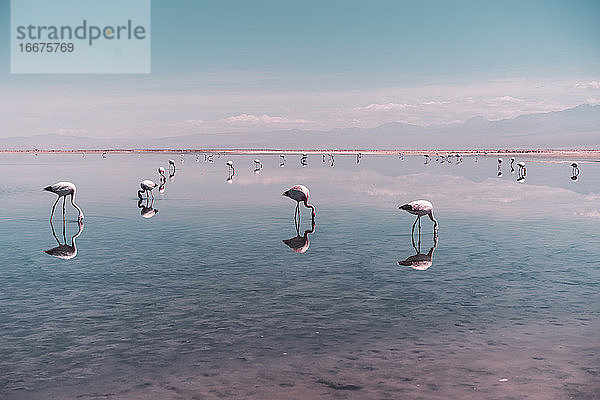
[[140, 194], [431, 217]]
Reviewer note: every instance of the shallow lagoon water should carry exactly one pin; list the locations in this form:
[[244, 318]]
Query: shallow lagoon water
[[205, 300]]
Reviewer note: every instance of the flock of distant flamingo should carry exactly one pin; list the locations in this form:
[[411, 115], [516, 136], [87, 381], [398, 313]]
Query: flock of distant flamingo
[[298, 193]]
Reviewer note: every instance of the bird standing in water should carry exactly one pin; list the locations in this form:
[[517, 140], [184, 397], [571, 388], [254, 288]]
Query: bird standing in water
[[64, 189], [300, 193], [146, 187], [420, 208]]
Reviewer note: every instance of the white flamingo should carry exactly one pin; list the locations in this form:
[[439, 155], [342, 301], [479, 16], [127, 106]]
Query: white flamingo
[[420, 208], [172, 165], [300, 193], [146, 187], [64, 189]]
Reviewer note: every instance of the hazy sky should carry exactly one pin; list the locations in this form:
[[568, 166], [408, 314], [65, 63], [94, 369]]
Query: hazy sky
[[265, 65]]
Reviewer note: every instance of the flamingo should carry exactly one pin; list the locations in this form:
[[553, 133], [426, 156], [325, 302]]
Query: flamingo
[[64, 189], [522, 169], [231, 171], [499, 167], [575, 172], [161, 172], [257, 166], [172, 164], [64, 251], [282, 160], [300, 193], [358, 157], [420, 208], [426, 159], [512, 169], [304, 160], [147, 186]]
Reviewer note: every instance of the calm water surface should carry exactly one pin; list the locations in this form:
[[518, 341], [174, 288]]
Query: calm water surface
[[205, 300]]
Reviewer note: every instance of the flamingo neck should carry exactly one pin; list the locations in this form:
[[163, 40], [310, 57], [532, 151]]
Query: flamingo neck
[[435, 223], [140, 194]]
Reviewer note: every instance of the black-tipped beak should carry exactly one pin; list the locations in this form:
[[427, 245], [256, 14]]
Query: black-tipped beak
[[287, 192], [405, 207]]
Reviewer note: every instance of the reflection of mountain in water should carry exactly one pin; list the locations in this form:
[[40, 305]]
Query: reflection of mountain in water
[[63, 250]]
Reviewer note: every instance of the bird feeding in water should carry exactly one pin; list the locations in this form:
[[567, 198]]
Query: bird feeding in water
[[282, 160], [575, 171], [161, 172], [300, 193], [257, 166], [304, 160], [64, 189], [522, 172], [499, 167], [146, 187], [231, 171], [512, 168], [172, 166], [420, 208]]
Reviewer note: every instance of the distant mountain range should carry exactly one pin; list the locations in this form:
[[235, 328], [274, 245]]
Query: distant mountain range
[[577, 127]]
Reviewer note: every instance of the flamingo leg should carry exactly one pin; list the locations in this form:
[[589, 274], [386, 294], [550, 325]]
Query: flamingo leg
[[412, 232], [152, 193], [64, 201], [53, 207]]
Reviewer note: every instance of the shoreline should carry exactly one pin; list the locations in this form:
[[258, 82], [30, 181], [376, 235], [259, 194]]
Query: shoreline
[[581, 153]]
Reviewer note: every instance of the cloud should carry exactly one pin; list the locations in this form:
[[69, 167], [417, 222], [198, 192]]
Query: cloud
[[249, 119], [383, 107], [588, 85], [64, 131], [194, 122], [507, 99]]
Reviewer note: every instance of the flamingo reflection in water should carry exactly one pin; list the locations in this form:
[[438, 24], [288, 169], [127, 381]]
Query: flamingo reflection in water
[[63, 250], [300, 243], [420, 261], [146, 207]]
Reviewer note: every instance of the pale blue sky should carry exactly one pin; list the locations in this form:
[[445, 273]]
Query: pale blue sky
[[324, 62]]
